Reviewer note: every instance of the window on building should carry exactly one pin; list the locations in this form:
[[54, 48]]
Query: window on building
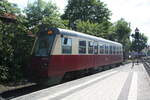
[[82, 47], [90, 47], [66, 45]]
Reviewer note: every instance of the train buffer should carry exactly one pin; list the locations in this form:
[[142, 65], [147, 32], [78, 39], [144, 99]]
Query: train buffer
[[120, 83]]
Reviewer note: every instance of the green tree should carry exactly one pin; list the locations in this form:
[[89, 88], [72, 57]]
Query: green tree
[[42, 13], [11, 59], [122, 30], [93, 11], [121, 34], [139, 43], [96, 29], [6, 7]]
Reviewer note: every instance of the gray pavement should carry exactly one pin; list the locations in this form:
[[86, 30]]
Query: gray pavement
[[121, 83]]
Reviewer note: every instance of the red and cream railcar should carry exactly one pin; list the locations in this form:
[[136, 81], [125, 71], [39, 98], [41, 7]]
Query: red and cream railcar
[[57, 51]]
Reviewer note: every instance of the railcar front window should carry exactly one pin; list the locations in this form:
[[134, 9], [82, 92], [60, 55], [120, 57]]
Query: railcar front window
[[43, 45]]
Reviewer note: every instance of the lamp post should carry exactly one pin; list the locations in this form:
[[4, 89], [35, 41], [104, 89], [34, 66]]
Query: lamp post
[[137, 39], [137, 42]]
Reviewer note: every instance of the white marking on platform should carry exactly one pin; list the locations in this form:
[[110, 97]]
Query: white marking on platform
[[133, 88], [75, 87]]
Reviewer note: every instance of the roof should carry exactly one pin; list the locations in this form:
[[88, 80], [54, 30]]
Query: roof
[[83, 35]]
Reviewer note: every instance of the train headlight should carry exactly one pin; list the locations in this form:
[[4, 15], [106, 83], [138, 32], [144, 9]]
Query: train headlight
[[50, 32]]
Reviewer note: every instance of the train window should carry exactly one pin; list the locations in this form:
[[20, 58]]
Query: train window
[[114, 50], [101, 48], [90, 47], [120, 50], [43, 45], [106, 49], [82, 47], [95, 48], [110, 49], [66, 45], [117, 50]]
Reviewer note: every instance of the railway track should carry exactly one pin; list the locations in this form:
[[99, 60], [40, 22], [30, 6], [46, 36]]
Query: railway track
[[10, 94], [146, 63]]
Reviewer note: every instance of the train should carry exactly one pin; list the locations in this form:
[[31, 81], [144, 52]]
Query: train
[[57, 52]]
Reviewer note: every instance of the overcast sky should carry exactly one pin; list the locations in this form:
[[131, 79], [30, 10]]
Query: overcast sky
[[134, 11]]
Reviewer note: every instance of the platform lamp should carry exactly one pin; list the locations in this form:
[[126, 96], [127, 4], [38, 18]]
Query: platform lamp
[[137, 40]]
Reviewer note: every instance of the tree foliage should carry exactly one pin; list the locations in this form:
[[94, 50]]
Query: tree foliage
[[6, 7], [139, 44], [96, 29], [93, 11], [14, 45], [40, 12], [122, 30], [122, 33]]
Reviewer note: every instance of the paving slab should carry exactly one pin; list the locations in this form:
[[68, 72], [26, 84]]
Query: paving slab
[[121, 83]]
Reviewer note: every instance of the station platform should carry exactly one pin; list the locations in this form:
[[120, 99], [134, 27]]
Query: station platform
[[126, 82]]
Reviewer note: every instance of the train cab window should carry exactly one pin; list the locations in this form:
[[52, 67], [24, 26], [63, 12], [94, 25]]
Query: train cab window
[[82, 47], [43, 45], [95, 48], [66, 45], [90, 47], [101, 48]]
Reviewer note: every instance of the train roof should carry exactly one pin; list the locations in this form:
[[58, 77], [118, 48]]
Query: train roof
[[86, 36]]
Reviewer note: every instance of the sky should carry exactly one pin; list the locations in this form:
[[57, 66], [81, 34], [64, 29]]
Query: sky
[[134, 11]]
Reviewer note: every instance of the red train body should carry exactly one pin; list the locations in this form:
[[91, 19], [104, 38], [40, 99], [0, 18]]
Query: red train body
[[67, 51]]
